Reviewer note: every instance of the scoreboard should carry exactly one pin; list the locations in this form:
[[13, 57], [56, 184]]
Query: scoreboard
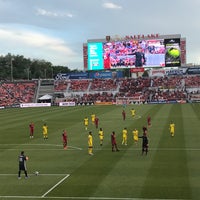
[[114, 52]]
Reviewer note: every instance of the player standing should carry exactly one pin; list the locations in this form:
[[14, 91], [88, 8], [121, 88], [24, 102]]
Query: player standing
[[133, 112], [22, 165], [135, 136], [90, 143], [123, 115], [114, 142], [86, 123], [96, 122], [172, 128], [101, 136], [31, 129], [149, 121], [64, 139], [124, 136], [93, 118], [145, 144], [45, 131]]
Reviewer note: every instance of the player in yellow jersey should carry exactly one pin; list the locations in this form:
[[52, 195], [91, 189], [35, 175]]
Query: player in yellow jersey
[[90, 143], [133, 112], [86, 123], [45, 131], [101, 135], [135, 135], [124, 136], [172, 128], [93, 116]]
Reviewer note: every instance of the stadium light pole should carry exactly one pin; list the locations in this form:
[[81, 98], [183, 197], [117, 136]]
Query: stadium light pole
[[11, 69], [28, 71]]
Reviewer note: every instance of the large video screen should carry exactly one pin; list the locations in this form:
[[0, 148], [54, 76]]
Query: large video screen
[[131, 54], [172, 52], [95, 58]]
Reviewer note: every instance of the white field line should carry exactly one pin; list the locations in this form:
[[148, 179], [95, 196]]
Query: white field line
[[55, 185], [54, 145], [38, 175], [79, 198], [109, 149]]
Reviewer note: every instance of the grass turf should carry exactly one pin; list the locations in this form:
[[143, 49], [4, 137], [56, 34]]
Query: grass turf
[[169, 171]]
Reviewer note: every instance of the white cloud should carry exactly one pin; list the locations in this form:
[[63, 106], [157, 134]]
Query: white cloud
[[110, 5], [35, 45], [43, 12]]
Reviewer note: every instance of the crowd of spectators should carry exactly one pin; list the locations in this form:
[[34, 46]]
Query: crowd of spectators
[[107, 90], [17, 92]]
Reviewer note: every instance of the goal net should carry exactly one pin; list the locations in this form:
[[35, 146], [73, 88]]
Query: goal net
[[129, 100]]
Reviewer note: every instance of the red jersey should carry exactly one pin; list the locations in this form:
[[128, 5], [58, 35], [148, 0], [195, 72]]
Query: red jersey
[[64, 136], [124, 115], [96, 121], [113, 139], [31, 128]]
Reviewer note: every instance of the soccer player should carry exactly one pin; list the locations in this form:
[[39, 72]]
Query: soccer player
[[124, 136], [64, 139], [31, 129], [96, 122], [93, 118], [45, 131], [86, 123], [114, 142], [145, 144], [22, 165], [101, 135], [133, 112], [90, 143], [135, 136], [149, 121], [172, 128], [123, 115]]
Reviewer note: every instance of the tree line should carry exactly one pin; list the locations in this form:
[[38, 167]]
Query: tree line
[[15, 67]]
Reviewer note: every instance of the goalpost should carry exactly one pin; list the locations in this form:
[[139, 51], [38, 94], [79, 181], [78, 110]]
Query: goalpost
[[129, 100]]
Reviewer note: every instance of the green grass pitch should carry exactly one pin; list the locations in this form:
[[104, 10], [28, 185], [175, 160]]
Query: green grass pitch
[[171, 170]]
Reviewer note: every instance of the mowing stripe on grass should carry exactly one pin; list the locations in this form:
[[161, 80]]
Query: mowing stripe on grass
[[169, 165]]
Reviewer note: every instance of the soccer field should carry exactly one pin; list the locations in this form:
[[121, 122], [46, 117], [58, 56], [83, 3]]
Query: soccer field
[[171, 170]]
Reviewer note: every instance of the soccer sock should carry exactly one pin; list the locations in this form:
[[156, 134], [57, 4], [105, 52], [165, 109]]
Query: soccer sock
[[25, 173]]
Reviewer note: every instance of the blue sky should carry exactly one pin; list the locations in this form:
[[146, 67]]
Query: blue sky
[[55, 30]]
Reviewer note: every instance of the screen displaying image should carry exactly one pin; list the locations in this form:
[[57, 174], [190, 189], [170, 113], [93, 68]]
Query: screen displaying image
[[172, 52], [134, 53], [95, 59]]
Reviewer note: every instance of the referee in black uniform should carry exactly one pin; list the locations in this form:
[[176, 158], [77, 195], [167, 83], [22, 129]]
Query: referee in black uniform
[[22, 165]]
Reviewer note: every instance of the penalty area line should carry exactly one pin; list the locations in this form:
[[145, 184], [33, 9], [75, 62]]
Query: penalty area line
[[55, 185]]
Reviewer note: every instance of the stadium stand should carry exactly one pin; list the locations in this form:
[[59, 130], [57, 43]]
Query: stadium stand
[[154, 89], [17, 92]]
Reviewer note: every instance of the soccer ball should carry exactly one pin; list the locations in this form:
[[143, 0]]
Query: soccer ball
[[36, 173]]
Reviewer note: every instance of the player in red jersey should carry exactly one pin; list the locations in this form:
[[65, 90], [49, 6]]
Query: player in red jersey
[[96, 122], [31, 129], [149, 121], [123, 115], [114, 142], [64, 139]]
